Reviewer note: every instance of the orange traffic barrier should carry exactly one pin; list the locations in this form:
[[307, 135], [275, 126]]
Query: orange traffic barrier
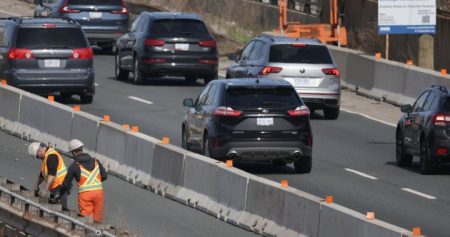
[[409, 62], [370, 215], [165, 140], [416, 231], [76, 108], [125, 126], [444, 71], [329, 199], [284, 183], [4, 82], [51, 98], [134, 129], [106, 118], [377, 55], [229, 163]]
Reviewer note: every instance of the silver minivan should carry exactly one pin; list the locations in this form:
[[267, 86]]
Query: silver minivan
[[306, 63]]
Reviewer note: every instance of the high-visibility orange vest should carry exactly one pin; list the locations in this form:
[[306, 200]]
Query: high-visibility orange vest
[[61, 170], [90, 180]]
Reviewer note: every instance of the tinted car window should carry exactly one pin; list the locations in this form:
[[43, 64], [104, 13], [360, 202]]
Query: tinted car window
[[95, 2], [261, 97], [291, 53], [211, 95], [246, 53], [3, 41], [176, 27], [256, 51], [429, 101], [418, 106], [202, 97], [35, 38]]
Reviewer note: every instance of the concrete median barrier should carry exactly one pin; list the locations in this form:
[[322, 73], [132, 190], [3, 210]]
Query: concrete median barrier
[[340, 56], [167, 170], [417, 80], [9, 108], [139, 150], [111, 141], [45, 121], [360, 72], [84, 128], [390, 79]]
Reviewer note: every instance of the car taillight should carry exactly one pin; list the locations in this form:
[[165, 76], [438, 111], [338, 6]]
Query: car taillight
[[208, 61], [299, 111], [154, 42], [124, 10], [84, 53], [207, 43], [65, 9], [154, 60], [268, 69], [226, 111], [441, 151], [331, 71], [20, 54], [441, 119]]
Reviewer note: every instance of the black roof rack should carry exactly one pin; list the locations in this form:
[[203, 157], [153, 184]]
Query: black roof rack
[[440, 87]]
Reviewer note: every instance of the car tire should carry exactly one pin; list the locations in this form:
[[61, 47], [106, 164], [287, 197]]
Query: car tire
[[184, 139], [191, 79], [66, 96], [403, 159], [137, 74], [303, 165], [426, 165], [86, 98], [121, 74], [331, 113]]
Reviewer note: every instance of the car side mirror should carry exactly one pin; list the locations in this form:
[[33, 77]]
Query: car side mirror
[[188, 102], [406, 108], [233, 57]]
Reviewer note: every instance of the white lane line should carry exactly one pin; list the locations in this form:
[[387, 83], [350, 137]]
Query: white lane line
[[96, 84], [369, 117], [419, 193], [140, 100], [361, 174]]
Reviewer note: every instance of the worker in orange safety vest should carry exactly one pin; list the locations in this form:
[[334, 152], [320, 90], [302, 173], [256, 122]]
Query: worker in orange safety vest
[[53, 171], [89, 174]]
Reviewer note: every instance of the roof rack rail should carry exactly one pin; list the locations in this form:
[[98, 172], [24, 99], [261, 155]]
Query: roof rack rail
[[440, 87]]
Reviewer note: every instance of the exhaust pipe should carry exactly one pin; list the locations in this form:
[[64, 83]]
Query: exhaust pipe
[[297, 155], [232, 155]]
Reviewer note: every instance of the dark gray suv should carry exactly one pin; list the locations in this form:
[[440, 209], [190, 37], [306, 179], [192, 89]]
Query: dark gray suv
[[46, 55]]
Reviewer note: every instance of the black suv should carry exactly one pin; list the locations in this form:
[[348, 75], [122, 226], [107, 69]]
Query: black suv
[[250, 119], [167, 44], [423, 130], [45, 56]]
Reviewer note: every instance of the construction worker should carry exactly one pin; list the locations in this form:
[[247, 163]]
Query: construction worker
[[90, 174], [53, 171]]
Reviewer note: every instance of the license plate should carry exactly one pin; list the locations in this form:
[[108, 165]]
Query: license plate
[[183, 47], [52, 63], [95, 15], [307, 82], [264, 121]]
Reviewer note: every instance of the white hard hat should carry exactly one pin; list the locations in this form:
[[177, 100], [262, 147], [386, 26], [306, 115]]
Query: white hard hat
[[33, 149], [75, 144]]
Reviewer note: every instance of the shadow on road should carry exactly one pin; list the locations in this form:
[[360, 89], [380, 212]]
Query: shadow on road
[[264, 168], [443, 169], [165, 81]]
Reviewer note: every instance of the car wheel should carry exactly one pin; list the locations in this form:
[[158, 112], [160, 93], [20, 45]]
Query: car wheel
[[206, 147], [184, 140], [403, 159], [426, 165], [86, 99], [121, 75], [303, 165], [331, 113], [66, 96], [137, 74]]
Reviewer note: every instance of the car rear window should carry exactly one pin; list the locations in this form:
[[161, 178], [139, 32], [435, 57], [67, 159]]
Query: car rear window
[[261, 97], [35, 38], [292, 53], [174, 27], [94, 2]]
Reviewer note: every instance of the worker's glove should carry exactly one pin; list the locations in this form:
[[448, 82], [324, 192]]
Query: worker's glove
[[55, 198]]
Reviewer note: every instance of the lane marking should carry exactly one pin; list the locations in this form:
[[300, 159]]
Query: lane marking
[[369, 117], [96, 84], [361, 174], [140, 100], [419, 193]]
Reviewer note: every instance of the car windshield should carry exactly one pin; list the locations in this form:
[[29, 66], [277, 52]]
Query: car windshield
[[37, 38], [261, 98], [174, 27], [299, 53], [95, 2]]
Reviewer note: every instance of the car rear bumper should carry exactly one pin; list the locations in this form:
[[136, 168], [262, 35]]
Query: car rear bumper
[[321, 99], [288, 151], [179, 69], [441, 141]]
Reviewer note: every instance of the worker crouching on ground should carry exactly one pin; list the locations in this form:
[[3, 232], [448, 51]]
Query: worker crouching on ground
[[89, 173], [53, 171]]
